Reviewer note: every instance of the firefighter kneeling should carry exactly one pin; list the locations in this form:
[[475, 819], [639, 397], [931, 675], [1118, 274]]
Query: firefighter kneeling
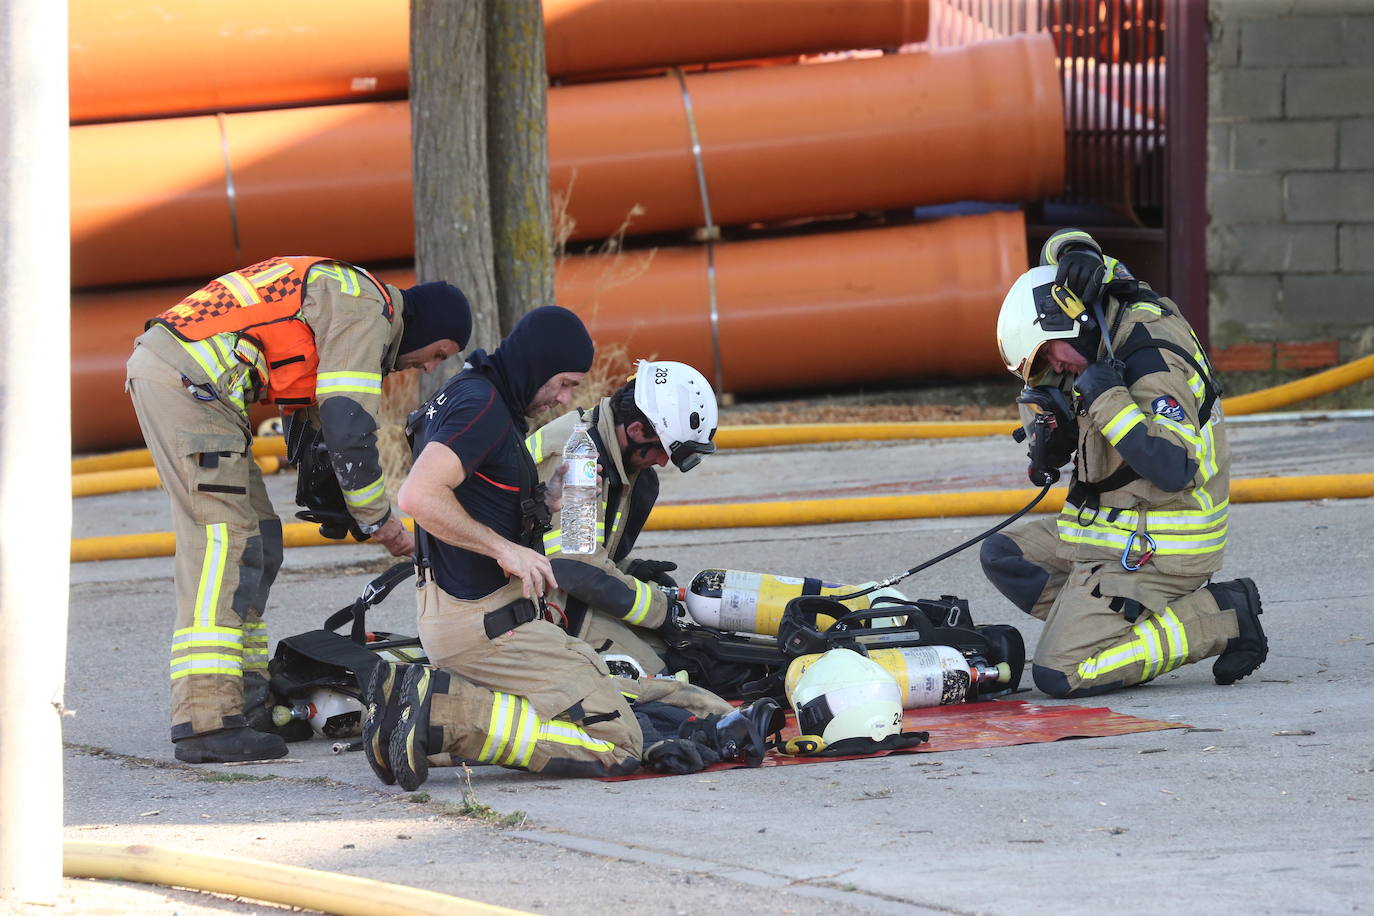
[[1122, 577]]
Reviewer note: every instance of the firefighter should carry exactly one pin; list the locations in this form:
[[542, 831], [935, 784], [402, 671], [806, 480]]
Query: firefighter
[[666, 412], [1122, 578], [314, 336], [508, 687]]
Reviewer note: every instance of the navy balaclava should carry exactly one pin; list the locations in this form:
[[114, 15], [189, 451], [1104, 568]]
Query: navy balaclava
[[434, 311], [545, 342]]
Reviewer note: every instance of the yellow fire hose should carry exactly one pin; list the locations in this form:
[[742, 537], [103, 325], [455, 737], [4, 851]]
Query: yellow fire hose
[[320, 891], [138, 478], [802, 512], [803, 433]]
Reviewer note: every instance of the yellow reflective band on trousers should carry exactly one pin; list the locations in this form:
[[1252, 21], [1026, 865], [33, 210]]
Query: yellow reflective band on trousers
[[366, 494], [1160, 644], [512, 731], [207, 650], [345, 276], [254, 645], [211, 574], [643, 601], [561, 732], [348, 383]]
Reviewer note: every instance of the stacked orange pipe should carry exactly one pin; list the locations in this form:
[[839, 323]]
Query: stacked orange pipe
[[194, 197], [895, 302], [139, 60]]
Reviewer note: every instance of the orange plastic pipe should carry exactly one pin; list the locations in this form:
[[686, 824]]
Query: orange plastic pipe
[[152, 200], [897, 302], [136, 60]]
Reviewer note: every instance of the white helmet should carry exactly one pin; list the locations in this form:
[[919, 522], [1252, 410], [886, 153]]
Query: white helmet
[[681, 406], [1035, 310], [841, 694]]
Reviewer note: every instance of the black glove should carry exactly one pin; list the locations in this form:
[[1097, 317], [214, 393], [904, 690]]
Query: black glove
[[655, 571], [1082, 271], [679, 756], [1051, 436], [1100, 377], [671, 629]]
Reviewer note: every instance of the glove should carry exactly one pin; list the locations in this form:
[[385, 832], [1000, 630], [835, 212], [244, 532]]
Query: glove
[[655, 571], [1082, 271], [671, 629], [679, 756], [1100, 377]]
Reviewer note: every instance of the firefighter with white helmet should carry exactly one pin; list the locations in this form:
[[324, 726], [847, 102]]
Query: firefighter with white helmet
[[1122, 578], [665, 413]]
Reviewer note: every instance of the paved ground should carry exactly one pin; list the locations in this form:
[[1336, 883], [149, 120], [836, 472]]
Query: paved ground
[[1265, 805]]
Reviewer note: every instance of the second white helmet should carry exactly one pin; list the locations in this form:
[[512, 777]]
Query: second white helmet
[[843, 695], [681, 406]]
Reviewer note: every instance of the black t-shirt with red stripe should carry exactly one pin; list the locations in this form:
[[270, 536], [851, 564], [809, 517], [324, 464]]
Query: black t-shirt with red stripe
[[469, 418]]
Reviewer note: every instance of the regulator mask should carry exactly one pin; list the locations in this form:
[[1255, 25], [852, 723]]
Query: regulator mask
[[1049, 429]]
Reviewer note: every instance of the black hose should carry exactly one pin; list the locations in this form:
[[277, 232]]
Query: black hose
[[951, 552]]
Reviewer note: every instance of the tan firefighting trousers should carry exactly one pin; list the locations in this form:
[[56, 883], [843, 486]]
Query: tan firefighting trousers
[[533, 697], [1091, 644], [229, 543]]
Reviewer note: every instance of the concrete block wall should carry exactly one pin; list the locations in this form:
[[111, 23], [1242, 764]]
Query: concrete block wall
[[1290, 186]]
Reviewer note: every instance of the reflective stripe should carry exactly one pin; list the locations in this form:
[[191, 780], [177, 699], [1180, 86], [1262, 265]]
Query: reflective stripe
[[264, 277], [1160, 520], [1147, 307], [1150, 646], [206, 663], [346, 277], [364, 495], [560, 732], [211, 573], [255, 645], [207, 637], [643, 601], [525, 737], [337, 382], [1127, 419], [244, 293], [498, 726], [1063, 237], [533, 443], [1164, 544], [553, 541]]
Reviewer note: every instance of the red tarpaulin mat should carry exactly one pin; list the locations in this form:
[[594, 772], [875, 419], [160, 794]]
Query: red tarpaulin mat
[[995, 723]]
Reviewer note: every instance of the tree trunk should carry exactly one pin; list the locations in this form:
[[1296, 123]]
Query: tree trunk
[[518, 157], [448, 117]]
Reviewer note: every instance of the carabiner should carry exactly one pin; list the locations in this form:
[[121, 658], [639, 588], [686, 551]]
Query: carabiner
[[1144, 557], [205, 392]]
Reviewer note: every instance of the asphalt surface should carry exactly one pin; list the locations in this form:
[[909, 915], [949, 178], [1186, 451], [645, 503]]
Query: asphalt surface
[[1264, 804]]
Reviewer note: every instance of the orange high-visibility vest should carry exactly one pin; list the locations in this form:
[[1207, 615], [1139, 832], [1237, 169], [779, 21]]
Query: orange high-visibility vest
[[262, 303]]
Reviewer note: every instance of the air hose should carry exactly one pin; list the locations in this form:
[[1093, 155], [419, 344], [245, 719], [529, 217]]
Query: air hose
[[893, 580]]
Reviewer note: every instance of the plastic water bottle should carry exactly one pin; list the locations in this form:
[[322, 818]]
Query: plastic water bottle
[[579, 492]]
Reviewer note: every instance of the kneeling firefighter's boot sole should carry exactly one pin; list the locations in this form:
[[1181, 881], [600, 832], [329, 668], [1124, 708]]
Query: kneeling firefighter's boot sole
[[230, 745], [1250, 648], [409, 746], [381, 707]]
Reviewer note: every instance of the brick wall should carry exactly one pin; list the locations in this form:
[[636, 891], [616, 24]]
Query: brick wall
[[1290, 185]]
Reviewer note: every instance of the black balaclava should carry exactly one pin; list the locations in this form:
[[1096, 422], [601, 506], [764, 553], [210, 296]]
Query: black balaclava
[[434, 311], [547, 341]]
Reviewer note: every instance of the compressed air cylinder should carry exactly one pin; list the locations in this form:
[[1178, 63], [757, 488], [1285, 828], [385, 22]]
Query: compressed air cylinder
[[751, 602], [928, 675]]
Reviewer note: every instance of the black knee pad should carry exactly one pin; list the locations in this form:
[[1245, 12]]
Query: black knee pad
[[1018, 579], [1056, 684]]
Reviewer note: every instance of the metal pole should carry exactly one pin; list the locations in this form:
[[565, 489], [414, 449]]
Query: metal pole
[[35, 438]]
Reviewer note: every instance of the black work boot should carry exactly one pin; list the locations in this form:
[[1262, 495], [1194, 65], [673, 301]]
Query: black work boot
[[381, 707], [1247, 651], [230, 745], [410, 738], [740, 736]]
